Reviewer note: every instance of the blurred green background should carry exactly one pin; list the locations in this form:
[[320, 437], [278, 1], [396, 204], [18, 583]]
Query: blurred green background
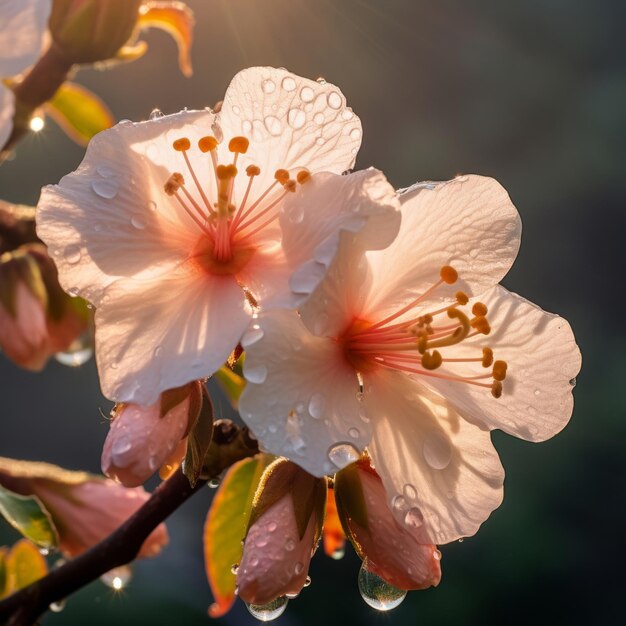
[[532, 93]]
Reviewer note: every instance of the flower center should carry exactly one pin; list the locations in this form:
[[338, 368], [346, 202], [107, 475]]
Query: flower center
[[227, 230], [423, 344]]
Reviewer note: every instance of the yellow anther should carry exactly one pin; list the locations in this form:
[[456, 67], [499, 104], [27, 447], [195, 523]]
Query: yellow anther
[[459, 333], [253, 170], [303, 176], [208, 143], [479, 309], [499, 370], [461, 298], [431, 360], [174, 183], [282, 176], [290, 185], [487, 357], [238, 144], [448, 274], [481, 325], [182, 144], [496, 389]]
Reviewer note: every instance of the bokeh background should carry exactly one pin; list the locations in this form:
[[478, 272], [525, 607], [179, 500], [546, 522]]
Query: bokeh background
[[532, 93]]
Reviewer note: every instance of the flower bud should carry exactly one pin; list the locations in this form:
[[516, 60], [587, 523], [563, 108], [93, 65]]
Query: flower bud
[[85, 509], [143, 438], [285, 524], [37, 318], [87, 31], [392, 551]]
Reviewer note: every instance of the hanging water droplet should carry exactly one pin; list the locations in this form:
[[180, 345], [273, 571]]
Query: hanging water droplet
[[214, 483], [316, 405], [296, 118], [78, 352], [292, 596], [117, 578], [234, 568], [342, 454], [307, 94], [256, 374], [289, 84], [334, 100], [572, 382], [290, 544], [270, 611], [414, 518], [376, 592], [347, 114], [321, 80], [461, 540], [72, 254], [58, 606], [437, 555], [272, 526], [354, 433], [338, 554], [156, 114], [252, 335], [105, 188], [44, 551], [437, 451]]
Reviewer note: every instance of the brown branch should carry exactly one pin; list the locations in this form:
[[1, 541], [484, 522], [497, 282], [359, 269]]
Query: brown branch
[[230, 444]]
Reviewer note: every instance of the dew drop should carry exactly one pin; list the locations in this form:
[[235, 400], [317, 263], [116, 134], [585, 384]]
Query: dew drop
[[410, 492], [272, 526], [320, 141], [73, 291], [316, 405], [234, 568], [72, 254], [268, 86], [152, 206], [354, 433], [307, 582], [261, 542], [236, 110], [437, 451], [117, 578], [334, 100], [44, 551], [106, 171], [398, 502], [290, 545], [57, 607], [537, 392], [355, 133], [270, 611], [307, 94], [437, 555], [321, 80], [256, 374], [156, 114], [342, 454], [246, 126], [299, 568], [289, 84], [273, 125], [296, 118], [252, 335], [77, 353], [347, 114], [572, 382], [338, 554], [414, 518], [120, 447], [318, 118], [105, 188], [376, 592], [214, 483], [137, 222]]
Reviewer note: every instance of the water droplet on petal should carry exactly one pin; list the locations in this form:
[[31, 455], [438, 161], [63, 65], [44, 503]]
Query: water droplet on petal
[[290, 544], [234, 568], [214, 483], [120, 447], [77, 353], [272, 526], [296, 214], [410, 492], [318, 118], [321, 80], [334, 100], [376, 592], [152, 205], [105, 188], [414, 518], [256, 374], [137, 222], [270, 611], [289, 84], [572, 382], [347, 114], [338, 554], [106, 171], [298, 568], [342, 454], [236, 110], [354, 433], [320, 141], [437, 555], [307, 94], [398, 502], [252, 335], [57, 607], [316, 405], [269, 86], [117, 578], [156, 114], [437, 451], [296, 118], [273, 125], [262, 541], [44, 551], [537, 392], [72, 254], [355, 133]]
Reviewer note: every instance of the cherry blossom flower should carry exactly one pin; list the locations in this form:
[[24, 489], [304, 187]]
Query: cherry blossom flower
[[178, 227], [415, 353], [22, 26]]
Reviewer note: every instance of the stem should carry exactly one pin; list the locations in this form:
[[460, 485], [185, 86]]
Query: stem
[[38, 86], [122, 546]]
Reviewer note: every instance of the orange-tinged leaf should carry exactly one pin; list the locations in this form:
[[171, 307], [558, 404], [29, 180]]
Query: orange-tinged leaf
[[225, 527], [23, 566], [334, 537], [175, 18], [79, 112]]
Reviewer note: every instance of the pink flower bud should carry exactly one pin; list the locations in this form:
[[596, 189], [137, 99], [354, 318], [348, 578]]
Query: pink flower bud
[[285, 525], [143, 438], [392, 551]]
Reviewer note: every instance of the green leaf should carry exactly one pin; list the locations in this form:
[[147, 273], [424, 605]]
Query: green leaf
[[231, 383], [199, 440], [79, 112], [23, 566], [226, 526], [28, 516]]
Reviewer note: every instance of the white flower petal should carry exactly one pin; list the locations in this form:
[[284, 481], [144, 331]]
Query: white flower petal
[[302, 397], [441, 473], [22, 25], [358, 210], [292, 122], [111, 218], [7, 108], [543, 361], [468, 222], [161, 334]]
